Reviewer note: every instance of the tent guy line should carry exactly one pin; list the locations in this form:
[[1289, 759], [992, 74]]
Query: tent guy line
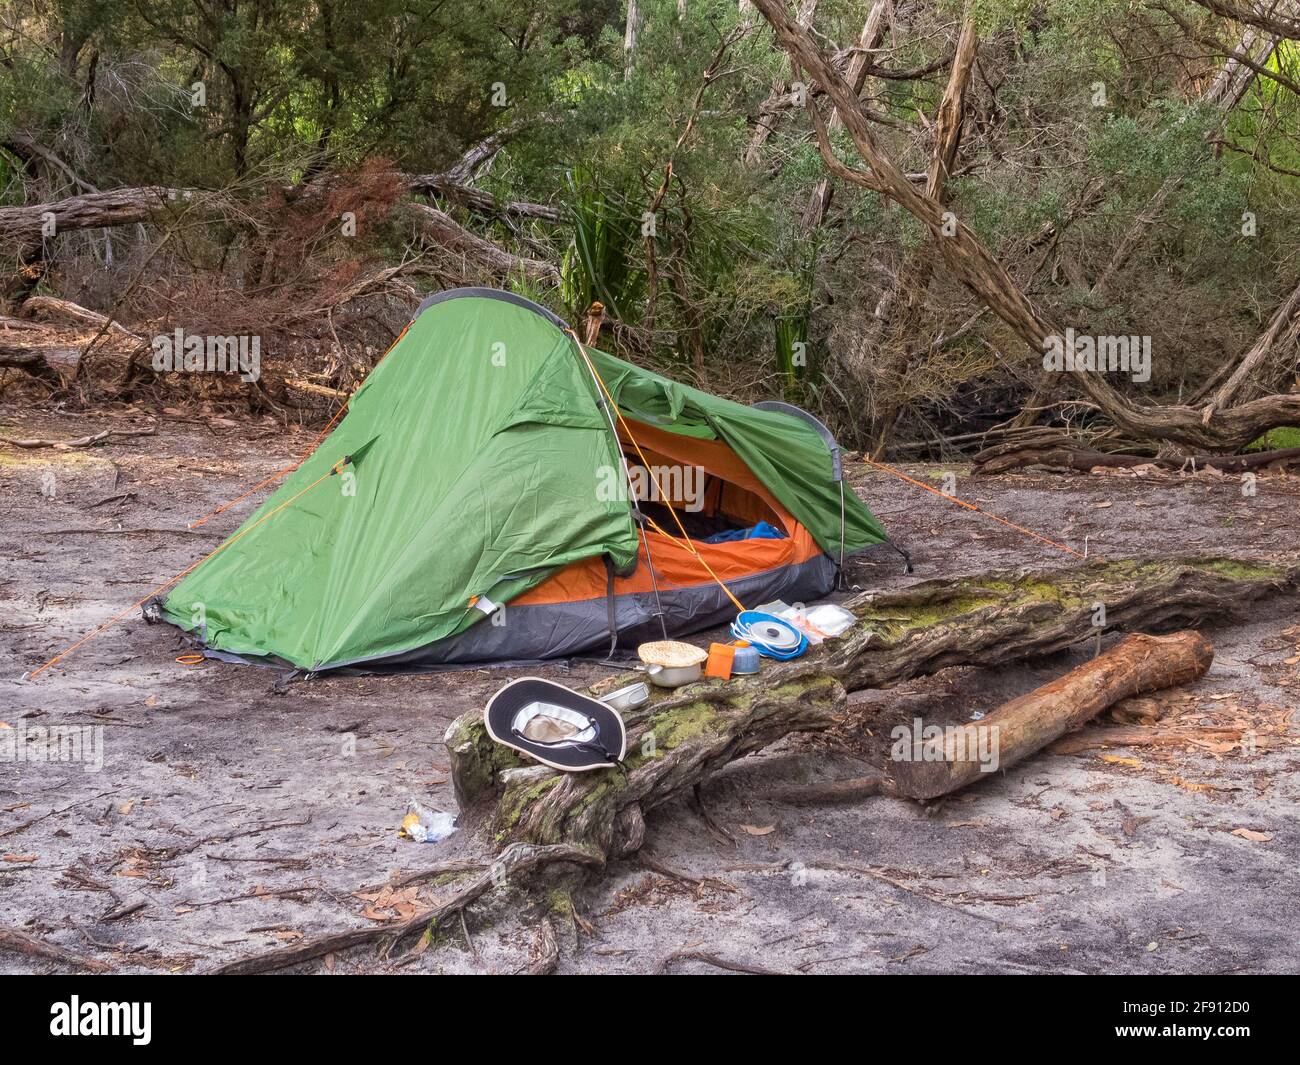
[[971, 506], [649, 468]]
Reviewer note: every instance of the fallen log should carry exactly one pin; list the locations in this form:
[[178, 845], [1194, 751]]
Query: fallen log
[[681, 739], [960, 755], [1063, 454], [51, 363], [48, 308]]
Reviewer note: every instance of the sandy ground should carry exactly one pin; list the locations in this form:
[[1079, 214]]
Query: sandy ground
[[231, 815]]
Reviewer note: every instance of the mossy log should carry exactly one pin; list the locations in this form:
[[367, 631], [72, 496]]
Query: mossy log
[[683, 737]]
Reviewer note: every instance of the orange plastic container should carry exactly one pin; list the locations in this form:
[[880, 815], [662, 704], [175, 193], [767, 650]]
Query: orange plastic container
[[720, 659]]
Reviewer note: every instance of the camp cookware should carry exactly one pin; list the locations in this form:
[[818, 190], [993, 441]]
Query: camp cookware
[[628, 698], [673, 676], [774, 637], [721, 657], [671, 663]]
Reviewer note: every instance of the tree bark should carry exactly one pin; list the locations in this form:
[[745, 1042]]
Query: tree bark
[[446, 233], [1015, 730], [23, 225]]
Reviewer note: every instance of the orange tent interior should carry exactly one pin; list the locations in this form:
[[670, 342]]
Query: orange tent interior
[[732, 496]]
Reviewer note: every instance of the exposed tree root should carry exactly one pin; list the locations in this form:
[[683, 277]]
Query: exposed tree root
[[517, 860]]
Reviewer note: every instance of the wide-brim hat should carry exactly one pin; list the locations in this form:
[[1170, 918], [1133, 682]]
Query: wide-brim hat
[[556, 725]]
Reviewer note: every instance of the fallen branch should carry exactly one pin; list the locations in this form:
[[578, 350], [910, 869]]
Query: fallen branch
[[441, 230], [1060, 452], [961, 755], [12, 939], [92, 440], [717, 961], [117, 207], [45, 308], [316, 390], [1211, 739], [849, 789]]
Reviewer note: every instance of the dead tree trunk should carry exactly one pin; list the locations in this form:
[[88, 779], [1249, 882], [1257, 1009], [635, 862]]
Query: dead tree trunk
[[1014, 731], [777, 102], [899, 310], [28, 225], [681, 739], [50, 363], [873, 32]]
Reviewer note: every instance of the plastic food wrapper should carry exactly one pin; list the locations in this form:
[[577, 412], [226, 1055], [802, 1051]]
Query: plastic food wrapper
[[425, 825], [829, 619]]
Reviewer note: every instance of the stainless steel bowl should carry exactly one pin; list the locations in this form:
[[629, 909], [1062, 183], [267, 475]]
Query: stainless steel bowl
[[629, 698]]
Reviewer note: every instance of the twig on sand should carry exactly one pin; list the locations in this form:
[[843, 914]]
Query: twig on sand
[[91, 440], [655, 866], [716, 960], [15, 829], [469, 941]]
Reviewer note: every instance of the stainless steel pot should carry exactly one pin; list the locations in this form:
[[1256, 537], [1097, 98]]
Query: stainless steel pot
[[674, 676]]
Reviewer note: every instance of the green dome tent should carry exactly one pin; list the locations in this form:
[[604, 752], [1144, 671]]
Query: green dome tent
[[473, 471]]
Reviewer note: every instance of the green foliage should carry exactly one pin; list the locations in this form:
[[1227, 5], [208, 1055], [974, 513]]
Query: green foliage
[[603, 261], [1276, 440], [1068, 98]]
